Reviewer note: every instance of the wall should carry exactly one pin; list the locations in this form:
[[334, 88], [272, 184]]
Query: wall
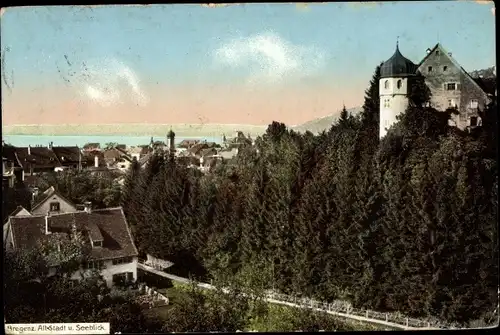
[[109, 270], [64, 206], [466, 87], [398, 102]]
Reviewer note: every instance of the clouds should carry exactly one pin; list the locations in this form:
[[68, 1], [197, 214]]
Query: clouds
[[110, 81], [269, 58]]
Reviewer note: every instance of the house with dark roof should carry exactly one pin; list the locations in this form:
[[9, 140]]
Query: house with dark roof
[[37, 159], [12, 168], [52, 201], [69, 157], [105, 234]]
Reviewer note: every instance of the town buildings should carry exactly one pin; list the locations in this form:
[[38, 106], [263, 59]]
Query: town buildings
[[451, 87]]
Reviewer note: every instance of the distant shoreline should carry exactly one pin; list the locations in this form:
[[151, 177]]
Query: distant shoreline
[[141, 129]]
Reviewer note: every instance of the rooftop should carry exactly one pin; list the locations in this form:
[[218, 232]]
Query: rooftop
[[108, 225]]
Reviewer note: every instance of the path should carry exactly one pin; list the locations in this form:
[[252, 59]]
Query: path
[[302, 303]]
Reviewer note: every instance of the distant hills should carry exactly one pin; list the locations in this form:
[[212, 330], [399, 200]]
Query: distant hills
[[484, 73], [134, 129], [316, 126]]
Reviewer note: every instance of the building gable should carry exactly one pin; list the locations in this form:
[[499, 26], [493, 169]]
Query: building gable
[[452, 86], [53, 202], [437, 59]]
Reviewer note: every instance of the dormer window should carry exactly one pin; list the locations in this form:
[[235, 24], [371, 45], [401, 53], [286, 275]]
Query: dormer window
[[437, 52], [97, 244], [429, 69], [445, 68]]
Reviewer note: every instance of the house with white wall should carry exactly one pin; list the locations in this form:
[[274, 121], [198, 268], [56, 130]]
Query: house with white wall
[[51, 201], [105, 233]]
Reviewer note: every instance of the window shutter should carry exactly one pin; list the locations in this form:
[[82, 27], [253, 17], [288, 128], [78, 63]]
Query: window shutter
[[444, 86], [459, 87]]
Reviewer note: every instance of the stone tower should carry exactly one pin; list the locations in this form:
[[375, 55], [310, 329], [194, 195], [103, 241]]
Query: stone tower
[[394, 89], [171, 141]]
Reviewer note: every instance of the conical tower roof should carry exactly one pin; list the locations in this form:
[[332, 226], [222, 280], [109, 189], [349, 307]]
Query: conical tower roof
[[397, 66]]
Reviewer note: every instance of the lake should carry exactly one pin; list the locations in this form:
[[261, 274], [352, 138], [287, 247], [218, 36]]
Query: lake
[[44, 140]]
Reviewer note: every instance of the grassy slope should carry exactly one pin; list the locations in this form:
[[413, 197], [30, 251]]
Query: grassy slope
[[276, 320]]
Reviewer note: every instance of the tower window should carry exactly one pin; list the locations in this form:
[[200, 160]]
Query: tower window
[[445, 68], [386, 84], [399, 84], [429, 69], [474, 103]]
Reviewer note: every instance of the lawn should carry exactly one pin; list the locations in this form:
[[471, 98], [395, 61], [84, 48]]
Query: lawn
[[278, 317]]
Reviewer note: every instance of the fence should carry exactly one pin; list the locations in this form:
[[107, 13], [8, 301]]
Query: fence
[[336, 307]]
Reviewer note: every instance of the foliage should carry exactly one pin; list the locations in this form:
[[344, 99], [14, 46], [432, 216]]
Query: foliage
[[80, 186], [407, 223]]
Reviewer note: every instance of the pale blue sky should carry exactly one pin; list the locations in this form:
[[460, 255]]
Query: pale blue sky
[[176, 44]]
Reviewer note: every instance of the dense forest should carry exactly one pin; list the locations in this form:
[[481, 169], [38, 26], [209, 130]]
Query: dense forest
[[407, 223]]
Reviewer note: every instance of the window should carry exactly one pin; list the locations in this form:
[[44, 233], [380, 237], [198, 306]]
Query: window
[[386, 123], [429, 69], [437, 52], [452, 103], [123, 278], [54, 206], [386, 84], [474, 103], [451, 86], [445, 68], [97, 243], [399, 84], [473, 121], [125, 260], [97, 265]]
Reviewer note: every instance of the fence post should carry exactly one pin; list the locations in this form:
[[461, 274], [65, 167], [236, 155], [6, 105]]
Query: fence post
[[428, 325], [366, 313], [406, 322], [386, 317]]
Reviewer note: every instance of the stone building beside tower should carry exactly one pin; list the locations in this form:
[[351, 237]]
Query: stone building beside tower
[[450, 85]]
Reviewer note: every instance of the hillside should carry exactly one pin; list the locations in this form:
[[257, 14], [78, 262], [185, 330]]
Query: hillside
[[318, 125]]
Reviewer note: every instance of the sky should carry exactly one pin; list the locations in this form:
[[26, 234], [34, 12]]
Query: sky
[[238, 64]]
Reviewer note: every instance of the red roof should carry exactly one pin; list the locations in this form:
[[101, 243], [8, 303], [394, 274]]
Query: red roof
[[109, 223]]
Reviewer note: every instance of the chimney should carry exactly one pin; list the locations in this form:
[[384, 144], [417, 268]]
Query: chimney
[[51, 145], [88, 206], [96, 161], [29, 149], [34, 194], [449, 54], [428, 51], [47, 231]]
